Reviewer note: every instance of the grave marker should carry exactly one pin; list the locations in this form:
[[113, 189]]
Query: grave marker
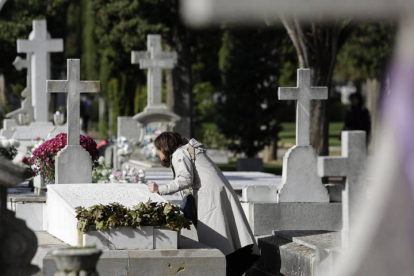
[[154, 59], [73, 163], [350, 165], [40, 45], [300, 181], [303, 93]]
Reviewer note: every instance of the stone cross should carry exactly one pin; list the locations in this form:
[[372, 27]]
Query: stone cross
[[303, 93], [40, 45], [352, 166], [154, 60], [73, 86], [73, 163]]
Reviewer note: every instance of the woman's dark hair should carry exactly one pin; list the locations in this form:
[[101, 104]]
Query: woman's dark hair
[[168, 142]]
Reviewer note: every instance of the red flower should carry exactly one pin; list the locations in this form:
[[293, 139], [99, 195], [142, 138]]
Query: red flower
[[25, 160]]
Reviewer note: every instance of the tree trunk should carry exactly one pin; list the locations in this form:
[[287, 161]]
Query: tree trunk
[[372, 102], [182, 76], [317, 45]]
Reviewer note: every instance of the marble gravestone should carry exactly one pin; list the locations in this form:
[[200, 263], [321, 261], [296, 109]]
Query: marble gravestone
[[40, 45], [154, 60], [351, 165], [25, 114], [63, 199], [300, 180], [73, 163]]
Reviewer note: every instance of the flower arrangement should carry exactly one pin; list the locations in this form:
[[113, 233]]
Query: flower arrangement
[[148, 148], [43, 157], [129, 175], [125, 149], [114, 215], [101, 172], [8, 148]]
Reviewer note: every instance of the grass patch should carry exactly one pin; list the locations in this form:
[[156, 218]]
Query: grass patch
[[288, 134]]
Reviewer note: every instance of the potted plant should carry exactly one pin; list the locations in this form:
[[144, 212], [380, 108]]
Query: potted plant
[[147, 225]]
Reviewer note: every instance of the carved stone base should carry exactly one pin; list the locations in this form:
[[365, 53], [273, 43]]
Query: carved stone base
[[76, 262]]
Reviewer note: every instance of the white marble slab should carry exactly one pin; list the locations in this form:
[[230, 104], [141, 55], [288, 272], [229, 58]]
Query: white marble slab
[[64, 198], [238, 180]]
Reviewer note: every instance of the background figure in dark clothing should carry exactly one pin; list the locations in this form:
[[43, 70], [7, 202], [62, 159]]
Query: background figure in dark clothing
[[357, 116], [86, 109]]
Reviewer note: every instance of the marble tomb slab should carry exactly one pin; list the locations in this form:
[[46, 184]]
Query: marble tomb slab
[[62, 200]]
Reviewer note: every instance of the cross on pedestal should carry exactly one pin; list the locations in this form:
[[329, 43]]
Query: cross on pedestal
[[73, 86], [303, 93], [352, 166], [73, 163], [154, 60], [40, 45]]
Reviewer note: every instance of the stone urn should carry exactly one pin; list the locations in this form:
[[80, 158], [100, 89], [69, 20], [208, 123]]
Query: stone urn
[[23, 119], [77, 261], [58, 118]]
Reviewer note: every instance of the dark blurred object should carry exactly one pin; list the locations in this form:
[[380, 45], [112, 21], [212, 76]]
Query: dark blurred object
[[357, 116]]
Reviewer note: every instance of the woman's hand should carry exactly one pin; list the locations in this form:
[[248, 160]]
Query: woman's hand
[[153, 187]]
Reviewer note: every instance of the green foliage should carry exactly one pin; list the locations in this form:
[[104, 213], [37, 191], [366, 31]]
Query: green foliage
[[116, 215], [204, 108], [140, 101], [366, 52], [214, 140], [250, 64]]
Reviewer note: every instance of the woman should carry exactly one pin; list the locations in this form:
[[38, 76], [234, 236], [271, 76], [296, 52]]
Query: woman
[[221, 220]]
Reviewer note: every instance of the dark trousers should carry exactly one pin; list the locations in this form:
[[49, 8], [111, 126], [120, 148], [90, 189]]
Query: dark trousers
[[240, 261]]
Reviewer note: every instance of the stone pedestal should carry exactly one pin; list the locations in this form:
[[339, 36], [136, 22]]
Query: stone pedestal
[[73, 165], [76, 261], [9, 126], [300, 179], [193, 258], [130, 128]]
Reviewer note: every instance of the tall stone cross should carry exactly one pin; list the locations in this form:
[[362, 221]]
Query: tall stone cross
[[300, 180], [154, 59], [73, 163], [303, 94], [351, 165], [40, 45]]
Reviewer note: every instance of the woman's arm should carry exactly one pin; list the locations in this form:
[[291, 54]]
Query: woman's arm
[[183, 174]]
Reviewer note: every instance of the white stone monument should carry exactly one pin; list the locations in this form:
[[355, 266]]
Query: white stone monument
[[73, 163], [40, 45], [300, 180], [63, 199], [154, 60], [25, 114], [352, 165]]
